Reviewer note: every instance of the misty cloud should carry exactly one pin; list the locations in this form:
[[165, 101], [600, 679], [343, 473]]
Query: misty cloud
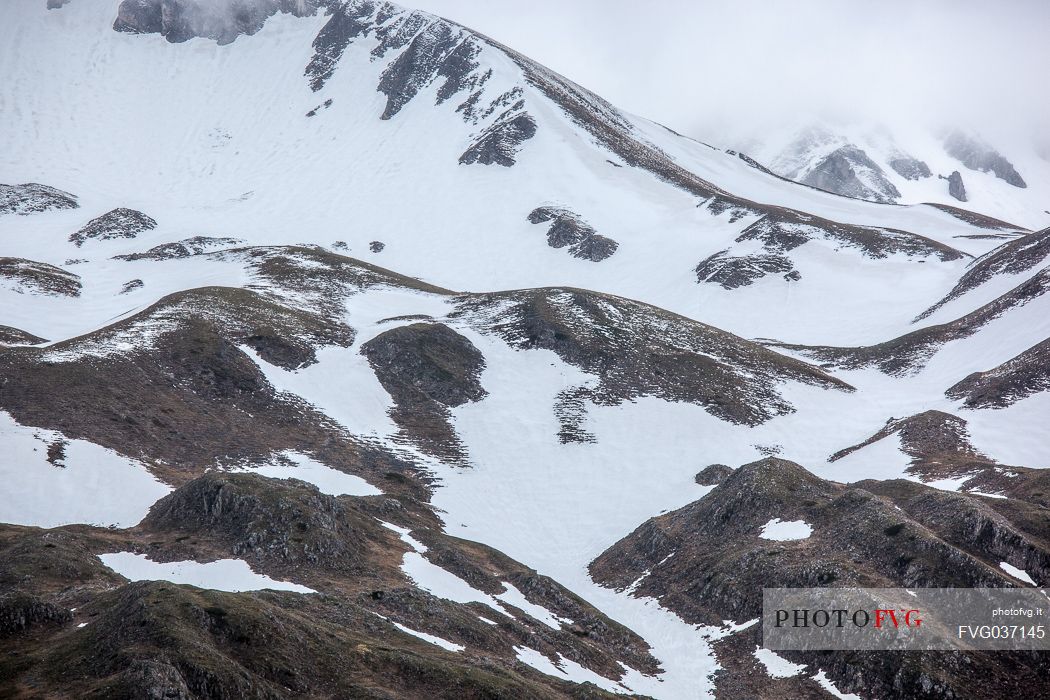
[[714, 69]]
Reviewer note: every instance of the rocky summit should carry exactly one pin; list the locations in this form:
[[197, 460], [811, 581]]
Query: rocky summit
[[347, 352]]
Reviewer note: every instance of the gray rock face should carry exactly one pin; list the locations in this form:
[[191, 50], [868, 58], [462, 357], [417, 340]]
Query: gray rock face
[[347, 22], [838, 172], [437, 51], [1013, 257], [713, 474], [221, 20], [910, 168], [909, 353], [976, 155], [569, 229], [33, 198], [498, 144], [427, 368], [1015, 379], [638, 350], [181, 249], [732, 272], [118, 223], [17, 336], [956, 187], [709, 561], [39, 278]]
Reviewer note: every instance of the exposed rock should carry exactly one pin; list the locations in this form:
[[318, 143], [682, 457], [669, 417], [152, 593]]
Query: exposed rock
[[131, 286], [221, 20], [975, 219], [850, 172], [569, 229], [16, 336], [185, 248], [938, 444], [287, 524], [707, 563], [32, 198], [909, 353], [154, 387], [1013, 380], [39, 278], [319, 277], [499, 142], [118, 223], [719, 205], [783, 230], [638, 350], [1011, 258], [754, 163], [732, 272], [427, 368], [713, 474], [955, 186], [20, 611], [976, 155], [440, 50], [910, 168], [348, 21]]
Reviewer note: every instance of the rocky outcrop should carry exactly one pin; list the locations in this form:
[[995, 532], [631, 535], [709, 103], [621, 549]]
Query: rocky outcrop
[[850, 172], [33, 198], [909, 353], [39, 278], [569, 229], [782, 230], [118, 223], [498, 144], [1011, 258], [956, 188], [224, 21], [731, 272], [157, 385], [976, 155], [17, 336], [185, 248], [427, 368], [1016, 379], [635, 350], [713, 474], [910, 168], [708, 562]]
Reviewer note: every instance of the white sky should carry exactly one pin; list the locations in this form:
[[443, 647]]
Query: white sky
[[710, 69]]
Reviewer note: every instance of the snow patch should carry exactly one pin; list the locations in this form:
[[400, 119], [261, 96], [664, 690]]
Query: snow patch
[[293, 465], [776, 665], [784, 530], [233, 575], [1019, 574], [87, 484], [822, 678], [566, 669], [437, 641]]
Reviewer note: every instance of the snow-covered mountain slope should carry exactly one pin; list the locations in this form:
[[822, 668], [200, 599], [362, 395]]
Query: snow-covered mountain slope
[[466, 326], [908, 166]]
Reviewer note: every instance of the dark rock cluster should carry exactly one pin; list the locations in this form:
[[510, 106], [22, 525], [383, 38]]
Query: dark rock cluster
[[837, 172], [976, 155], [427, 368], [33, 198], [568, 229], [118, 223], [39, 278]]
